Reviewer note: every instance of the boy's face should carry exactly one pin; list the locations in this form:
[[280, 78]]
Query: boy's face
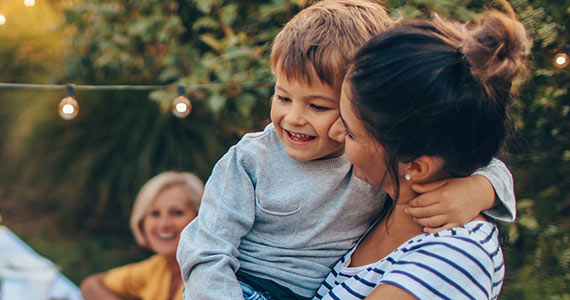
[[302, 115]]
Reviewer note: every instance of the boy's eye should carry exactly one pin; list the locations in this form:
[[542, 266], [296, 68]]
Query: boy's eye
[[283, 99], [319, 108], [154, 213]]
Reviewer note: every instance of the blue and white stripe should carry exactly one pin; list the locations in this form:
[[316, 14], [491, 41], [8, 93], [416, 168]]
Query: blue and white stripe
[[461, 263]]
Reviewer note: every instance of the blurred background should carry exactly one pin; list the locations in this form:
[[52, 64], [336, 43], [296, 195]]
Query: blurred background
[[67, 186]]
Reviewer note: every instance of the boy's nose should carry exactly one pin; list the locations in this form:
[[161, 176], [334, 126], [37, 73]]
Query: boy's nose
[[295, 115], [337, 131]]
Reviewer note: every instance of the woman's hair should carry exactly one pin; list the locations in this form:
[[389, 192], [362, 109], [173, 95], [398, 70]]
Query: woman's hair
[[439, 88], [150, 190]]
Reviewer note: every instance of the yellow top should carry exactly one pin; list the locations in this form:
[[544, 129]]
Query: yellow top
[[146, 280]]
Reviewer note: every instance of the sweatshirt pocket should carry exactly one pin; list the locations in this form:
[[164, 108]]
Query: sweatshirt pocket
[[277, 223]]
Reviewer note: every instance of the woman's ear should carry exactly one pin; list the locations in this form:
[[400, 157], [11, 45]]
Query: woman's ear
[[422, 169]]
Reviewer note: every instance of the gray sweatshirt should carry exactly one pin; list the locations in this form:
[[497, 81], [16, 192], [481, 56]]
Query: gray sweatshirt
[[284, 220]]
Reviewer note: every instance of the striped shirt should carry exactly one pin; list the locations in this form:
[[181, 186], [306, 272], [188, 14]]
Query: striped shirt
[[460, 263]]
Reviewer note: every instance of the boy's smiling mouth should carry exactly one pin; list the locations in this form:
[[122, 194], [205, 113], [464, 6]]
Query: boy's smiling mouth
[[299, 137]]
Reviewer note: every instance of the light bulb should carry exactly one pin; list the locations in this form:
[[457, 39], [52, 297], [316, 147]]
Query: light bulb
[[2, 19], [29, 3], [68, 108], [561, 60], [181, 107]]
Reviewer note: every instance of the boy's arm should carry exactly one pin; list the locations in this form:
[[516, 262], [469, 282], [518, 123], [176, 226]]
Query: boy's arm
[[501, 178], [456, 201], [207, 251]]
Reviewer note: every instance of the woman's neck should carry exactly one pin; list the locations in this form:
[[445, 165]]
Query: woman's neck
[[401, 220], [176, 276], [172, 263], [388, 234], [406, 193]]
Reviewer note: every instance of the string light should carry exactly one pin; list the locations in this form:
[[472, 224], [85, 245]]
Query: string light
[[2, 19], [181, 106], [561, 57], [561, 60], [68, 107], [29, 3]]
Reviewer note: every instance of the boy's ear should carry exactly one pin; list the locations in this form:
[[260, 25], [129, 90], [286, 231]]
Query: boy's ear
[[424, 168]]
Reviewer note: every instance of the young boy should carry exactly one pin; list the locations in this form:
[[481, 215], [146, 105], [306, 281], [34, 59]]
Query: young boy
[[281, 206]]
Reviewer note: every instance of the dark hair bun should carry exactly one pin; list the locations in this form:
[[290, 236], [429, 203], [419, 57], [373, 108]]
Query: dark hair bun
[[496, 50]]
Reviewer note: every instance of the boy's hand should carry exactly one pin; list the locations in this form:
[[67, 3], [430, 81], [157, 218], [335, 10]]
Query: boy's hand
[[450, 202]]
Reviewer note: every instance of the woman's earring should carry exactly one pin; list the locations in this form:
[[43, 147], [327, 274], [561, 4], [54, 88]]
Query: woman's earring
[[408, 177]]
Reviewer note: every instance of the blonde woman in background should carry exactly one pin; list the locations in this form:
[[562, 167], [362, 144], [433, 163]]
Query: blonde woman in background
[[163, 207]]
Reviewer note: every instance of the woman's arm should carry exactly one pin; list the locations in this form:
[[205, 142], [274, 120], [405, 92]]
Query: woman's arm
[[92, 288], [388, 291]]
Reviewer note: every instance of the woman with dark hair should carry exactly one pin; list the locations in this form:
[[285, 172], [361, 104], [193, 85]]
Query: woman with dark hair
[[422, 102]]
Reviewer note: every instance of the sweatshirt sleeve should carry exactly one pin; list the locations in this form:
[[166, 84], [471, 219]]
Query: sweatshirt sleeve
[[208, 247], [502, 180]]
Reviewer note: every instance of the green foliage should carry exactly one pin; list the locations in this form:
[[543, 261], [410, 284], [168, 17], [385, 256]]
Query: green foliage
[[121, 139], [539, 159], [88, 171], [118, 142], [30, 51]]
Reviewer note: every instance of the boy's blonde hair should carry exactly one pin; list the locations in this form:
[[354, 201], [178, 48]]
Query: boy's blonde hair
[[150, 190], [322, 39]]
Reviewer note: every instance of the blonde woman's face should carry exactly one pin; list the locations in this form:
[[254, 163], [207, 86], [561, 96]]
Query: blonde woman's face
[[165, 219]]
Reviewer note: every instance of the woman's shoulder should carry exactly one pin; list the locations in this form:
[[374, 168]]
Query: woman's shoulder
[[143, 267], [154, 261], [482, 233], [132, 278], [476, 234], [472, 250]]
